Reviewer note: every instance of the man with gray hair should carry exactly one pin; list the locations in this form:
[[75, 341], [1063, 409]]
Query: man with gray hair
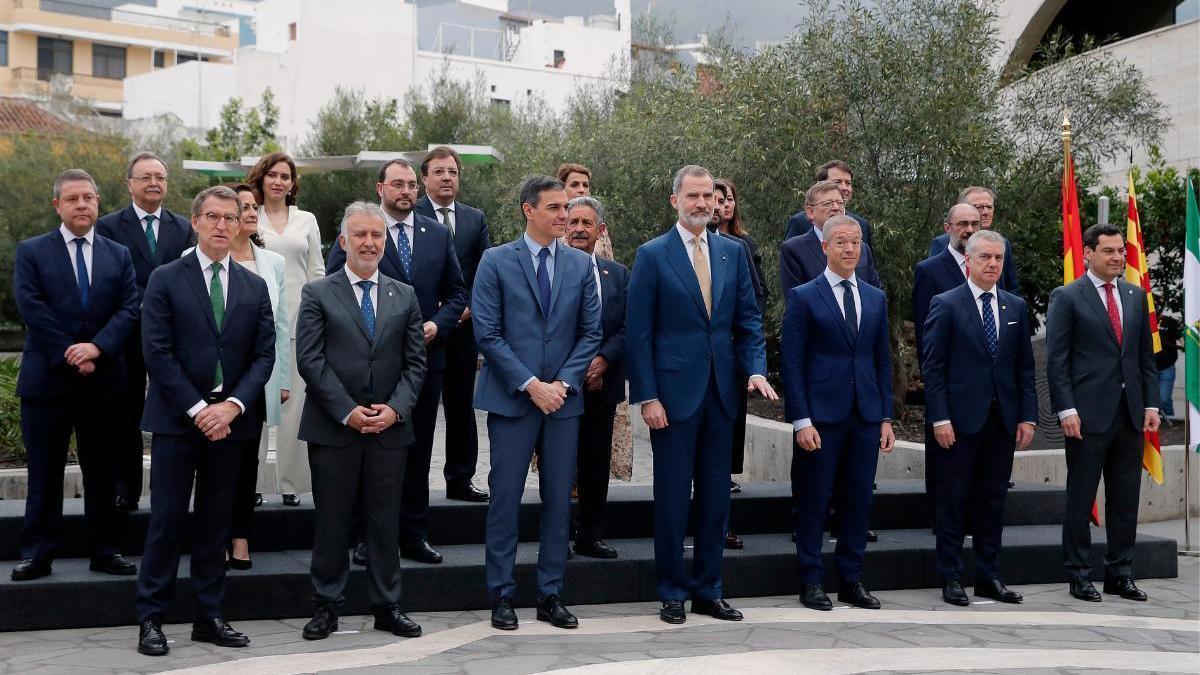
[[977, 364], [802, 259], [363, 370], [984, 201]]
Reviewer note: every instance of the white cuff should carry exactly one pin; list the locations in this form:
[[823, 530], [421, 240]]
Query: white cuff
[[649, 400], [805, 423], [192, 411], [1064, 414], [526, 385], [940, 423], [238, 404]]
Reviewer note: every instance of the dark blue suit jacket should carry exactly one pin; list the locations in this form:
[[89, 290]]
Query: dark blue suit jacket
[[799, 223], [801, 260], [47, 296], [614, 291], [1008, 276], [436, 278], [181, 343], [825, 374], [960, 377], [931, 277], [471, 237], [174, 237], [672, 347]]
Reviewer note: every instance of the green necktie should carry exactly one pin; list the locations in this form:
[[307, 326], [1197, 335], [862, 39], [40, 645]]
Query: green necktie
[[216, 294], [444, 211], [150, 238]]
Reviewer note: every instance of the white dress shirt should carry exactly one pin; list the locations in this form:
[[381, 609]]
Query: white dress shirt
[[994, 308], [819, 232], [596, 276], [393, 228], [141, 216], [206, 270], [961, 260], [451, 219], [690, 247], [839, 294], [358, 291], [89, 240]]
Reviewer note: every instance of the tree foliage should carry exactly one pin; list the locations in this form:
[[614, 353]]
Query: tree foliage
[[241, 132]]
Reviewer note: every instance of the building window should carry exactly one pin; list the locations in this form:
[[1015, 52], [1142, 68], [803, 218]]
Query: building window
[[160, 59], [292, 32], [108, 62], [3, 48], [183, 57], [54, 57], [560, 59], [502, 102]]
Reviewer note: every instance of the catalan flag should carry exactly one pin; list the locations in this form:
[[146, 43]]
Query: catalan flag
[[1137, 272]]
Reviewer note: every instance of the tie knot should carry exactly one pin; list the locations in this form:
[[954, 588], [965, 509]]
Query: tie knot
[[216, 267], [79, 241], [1108, 287], [365, 285], [544, 253], [985, 297], [149, 218], [444, 210], [698, 240], [845, 283]]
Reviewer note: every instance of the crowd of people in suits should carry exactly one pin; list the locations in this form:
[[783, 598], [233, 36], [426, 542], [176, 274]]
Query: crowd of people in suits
[[245, 330]]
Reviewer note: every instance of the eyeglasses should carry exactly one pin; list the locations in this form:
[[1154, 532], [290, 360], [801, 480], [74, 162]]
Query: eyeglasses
[[963, 224], [453, 173], [230, 219], [401, 185], [148, 177], [831, 203]]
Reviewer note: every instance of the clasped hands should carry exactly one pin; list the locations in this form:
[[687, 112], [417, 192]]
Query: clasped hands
[[373, 419], [547, 396], [82, 356], [593, 380], [214, 419]]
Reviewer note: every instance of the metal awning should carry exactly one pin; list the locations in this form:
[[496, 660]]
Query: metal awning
[[474, 155]]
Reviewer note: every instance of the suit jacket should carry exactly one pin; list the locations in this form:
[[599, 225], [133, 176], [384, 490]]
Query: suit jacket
[[932, 277], [673, 348], [342, 367], [825, 373], [961, 380], [614, 291], [1008, 276], [801, 260], [47, 296], [174, 235], [182, 343], [1086, 368], [518, 341], [471, 237], [436, 278], [800, 223]]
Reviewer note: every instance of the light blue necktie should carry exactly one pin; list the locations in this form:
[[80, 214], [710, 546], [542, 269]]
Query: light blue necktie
[[368, 308], [81, 275], [989, 324]]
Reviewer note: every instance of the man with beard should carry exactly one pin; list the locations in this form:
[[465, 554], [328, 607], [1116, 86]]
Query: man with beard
[[984, 201]]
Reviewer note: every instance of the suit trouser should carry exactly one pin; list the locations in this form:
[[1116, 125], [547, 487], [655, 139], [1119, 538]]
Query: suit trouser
[[738, 456], [46, 426], [693, 450], [931, 468], [242, 522], [291, 453], [367, 473], [973, 484], [130, 448], [1117, 454], [852, 444], [594, 465], [177, 462], [414, 498], [458, 393], [512, 441]]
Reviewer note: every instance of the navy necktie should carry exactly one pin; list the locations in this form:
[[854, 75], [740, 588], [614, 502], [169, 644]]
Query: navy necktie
[[81, 275], [851, 309], [543, 279], [989, 324], [368, 308], [405, 250]]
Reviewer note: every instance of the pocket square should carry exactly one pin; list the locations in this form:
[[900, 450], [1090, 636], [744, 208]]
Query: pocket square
[[1012, 323]]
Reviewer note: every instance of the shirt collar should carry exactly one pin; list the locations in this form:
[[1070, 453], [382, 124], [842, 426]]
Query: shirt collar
[[70, 237], [206, 262], [157, 213], [594, 263], [819, 231], [392, 222], [354, 278], [436, 206], [834, 278], [1098, 282], [958, 257], [687, 235], [536, 248], [976, 290]]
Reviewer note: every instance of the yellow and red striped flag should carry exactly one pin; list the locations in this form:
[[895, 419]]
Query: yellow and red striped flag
[[1072, 234], [1137, 272]]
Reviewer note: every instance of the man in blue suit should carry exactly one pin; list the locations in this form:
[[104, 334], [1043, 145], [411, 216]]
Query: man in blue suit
[[837, 379], [420, 252], [75, 292], [537, 322], [802, 258], [984, 201], [691, 325], [440, 173], [837, 172], [209, 338], [154, 236], [977, 365]]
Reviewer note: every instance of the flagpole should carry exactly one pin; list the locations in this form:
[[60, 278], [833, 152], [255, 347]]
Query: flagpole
[[1187, 493]]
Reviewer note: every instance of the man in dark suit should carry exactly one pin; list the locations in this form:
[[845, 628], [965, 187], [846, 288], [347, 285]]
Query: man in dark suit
[[837, 172], [692, 320], [75, 292], [154, 236], [604, 383], [468, 226], [802, 259], [837, 378], [1104, 388], [420, 252], [984, 201], [208, 334], [977, 365], [537, 320], [360, 347]]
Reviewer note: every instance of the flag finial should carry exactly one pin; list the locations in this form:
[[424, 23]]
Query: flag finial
[[1066, 125]]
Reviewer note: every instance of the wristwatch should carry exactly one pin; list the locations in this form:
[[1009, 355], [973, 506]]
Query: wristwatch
[[566, 387]]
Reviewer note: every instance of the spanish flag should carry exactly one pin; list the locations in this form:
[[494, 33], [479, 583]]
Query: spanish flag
[[1138, 273], [1072, 234]]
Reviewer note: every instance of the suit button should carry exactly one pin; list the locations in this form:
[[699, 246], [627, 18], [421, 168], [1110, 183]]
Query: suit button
[[852, 380], [547, 340]]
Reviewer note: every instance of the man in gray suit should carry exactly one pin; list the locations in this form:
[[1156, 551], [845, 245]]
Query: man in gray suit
[[1104, 388], [360, 348]]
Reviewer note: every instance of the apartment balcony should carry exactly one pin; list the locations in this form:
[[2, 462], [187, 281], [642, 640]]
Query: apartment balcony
[[105, 93], [122, 16]]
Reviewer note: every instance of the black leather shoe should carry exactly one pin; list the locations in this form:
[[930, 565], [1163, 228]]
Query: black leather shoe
[[872, 536], [734, 542], [124, 504], [553, 611], [953, 593], [115, 564], [257, 499], [1124, 587], [218, 632], [503, 616], [672, 611], [359, 557], [734, 488], [466, 493], [396, 622], [421, 552], [1083, 589], [151, 641], [857, 595], [717, 609], [813, 596], [291, 500], [996, 590], [324, 622], [595, 549], [27, 570]]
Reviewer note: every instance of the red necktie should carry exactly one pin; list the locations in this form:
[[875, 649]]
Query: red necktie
[[1114, 317]]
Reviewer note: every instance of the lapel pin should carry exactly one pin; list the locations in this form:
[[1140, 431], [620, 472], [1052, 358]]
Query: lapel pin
[[422, 229], [604, 272], [389, 294], [1003, 306], [722, 257]]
